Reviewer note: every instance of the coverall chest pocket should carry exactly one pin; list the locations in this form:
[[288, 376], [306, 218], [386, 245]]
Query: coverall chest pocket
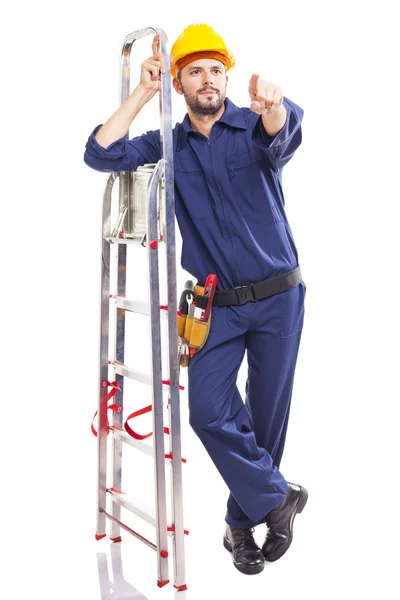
[[249, 185], [189, 180], [240, 163]]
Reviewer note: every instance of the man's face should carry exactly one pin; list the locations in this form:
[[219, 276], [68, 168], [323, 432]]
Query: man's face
[[203, 83]]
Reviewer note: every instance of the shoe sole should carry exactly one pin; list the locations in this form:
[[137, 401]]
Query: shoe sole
[[246, 570], [299, 508]]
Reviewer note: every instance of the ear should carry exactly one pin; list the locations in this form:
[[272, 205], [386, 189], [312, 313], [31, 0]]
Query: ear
[[177, 86]]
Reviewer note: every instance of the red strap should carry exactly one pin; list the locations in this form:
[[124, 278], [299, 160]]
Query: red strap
[[114, 386], [137, 413], [92, 426], [114, 407]]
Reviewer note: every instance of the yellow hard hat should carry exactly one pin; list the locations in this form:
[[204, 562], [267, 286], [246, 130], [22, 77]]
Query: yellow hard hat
[[200, 38]]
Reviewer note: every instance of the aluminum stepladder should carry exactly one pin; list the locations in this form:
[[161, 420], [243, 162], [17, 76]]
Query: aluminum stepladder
[[160, 189]]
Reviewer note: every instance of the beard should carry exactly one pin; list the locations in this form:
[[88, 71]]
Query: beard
[[204, 105]]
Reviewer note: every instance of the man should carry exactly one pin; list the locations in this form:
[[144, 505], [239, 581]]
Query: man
[[230, 210]]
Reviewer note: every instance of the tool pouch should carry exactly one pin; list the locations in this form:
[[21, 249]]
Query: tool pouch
[[192, 330]]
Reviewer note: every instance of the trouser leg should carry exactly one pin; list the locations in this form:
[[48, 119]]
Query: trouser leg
[[221, 420], [272, 356]]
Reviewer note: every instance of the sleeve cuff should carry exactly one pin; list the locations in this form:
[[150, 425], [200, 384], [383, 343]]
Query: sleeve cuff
[[261, 137]]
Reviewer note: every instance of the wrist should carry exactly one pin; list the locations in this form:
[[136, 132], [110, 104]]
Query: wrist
[[274, 123], [143, 94]]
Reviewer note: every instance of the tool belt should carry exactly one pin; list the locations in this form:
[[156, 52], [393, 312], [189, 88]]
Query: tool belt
[[193, 332], [257, 291]]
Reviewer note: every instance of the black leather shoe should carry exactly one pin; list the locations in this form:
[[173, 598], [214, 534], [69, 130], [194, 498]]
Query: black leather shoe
[[247, 556], [280, 522]]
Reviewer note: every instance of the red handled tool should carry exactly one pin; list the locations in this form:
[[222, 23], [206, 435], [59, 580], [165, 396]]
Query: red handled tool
[[209, 291]]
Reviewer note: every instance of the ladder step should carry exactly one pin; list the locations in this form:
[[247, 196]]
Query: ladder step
[[128, 439], [138, 509], [120, 240], [142, 308], [121, 369], [135, 306]]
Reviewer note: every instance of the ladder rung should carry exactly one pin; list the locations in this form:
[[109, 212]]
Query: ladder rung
[[128, 439], [118, 240], [141, 308], [140, 510], [134, 533], [121, 369]]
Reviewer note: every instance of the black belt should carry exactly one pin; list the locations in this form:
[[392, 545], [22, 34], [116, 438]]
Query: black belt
[[258, 291]]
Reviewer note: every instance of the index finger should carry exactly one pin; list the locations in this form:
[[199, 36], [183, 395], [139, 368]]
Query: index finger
[[254, 81], [156, 43]]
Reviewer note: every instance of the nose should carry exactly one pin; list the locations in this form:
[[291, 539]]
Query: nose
[[207, 77]]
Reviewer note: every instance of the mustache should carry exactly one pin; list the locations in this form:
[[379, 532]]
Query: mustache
[[208, 89]]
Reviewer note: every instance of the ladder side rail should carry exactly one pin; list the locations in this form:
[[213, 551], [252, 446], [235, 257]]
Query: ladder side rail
[[156, 371], [103, 362], [125, 183], [120, 288], [125, 189], [172, 358]]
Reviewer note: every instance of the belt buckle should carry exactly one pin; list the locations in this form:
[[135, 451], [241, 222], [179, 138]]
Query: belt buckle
[[244, 294]]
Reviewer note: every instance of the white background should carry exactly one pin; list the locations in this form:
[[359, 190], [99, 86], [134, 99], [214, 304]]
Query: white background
[[60, 75]]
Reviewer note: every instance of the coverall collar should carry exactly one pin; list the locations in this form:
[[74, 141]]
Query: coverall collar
[[231, 116]]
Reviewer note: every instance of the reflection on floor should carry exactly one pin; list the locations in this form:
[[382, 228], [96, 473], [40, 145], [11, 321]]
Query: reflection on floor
[[113, 585]]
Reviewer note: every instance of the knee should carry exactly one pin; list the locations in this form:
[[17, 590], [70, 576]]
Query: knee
[[204, 410], [198, 420], [203, 416]]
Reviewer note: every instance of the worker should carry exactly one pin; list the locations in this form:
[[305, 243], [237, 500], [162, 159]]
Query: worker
[[230, 209]]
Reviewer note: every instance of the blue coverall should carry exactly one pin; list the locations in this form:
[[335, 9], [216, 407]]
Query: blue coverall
[[230, 210]]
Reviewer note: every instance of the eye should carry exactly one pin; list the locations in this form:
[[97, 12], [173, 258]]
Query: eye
[[217, 70], [195, 71]]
